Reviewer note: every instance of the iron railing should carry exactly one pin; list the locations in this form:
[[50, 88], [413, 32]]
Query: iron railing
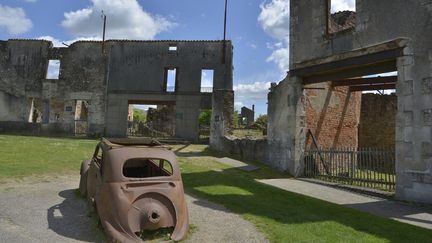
[[365, 167]]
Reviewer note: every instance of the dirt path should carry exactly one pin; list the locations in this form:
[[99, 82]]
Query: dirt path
[[46, 209]]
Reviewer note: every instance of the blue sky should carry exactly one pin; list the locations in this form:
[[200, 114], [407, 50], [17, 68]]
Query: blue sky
[[259, 30]]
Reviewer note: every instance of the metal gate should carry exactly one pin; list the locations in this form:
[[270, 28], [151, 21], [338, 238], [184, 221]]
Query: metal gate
[[365, 167], [142, 129]]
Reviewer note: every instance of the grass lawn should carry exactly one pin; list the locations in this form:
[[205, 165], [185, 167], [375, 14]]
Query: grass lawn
[[248, 133], [22, 156], [282, 216]]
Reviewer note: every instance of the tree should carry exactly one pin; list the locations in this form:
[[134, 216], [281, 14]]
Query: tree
[[139, 115], [262, 121], [236, 117], [205, 117]]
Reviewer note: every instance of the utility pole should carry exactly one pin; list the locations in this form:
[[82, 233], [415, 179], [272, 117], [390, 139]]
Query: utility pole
[[224, 34], [225, 20], [103, 32], [106, 68]]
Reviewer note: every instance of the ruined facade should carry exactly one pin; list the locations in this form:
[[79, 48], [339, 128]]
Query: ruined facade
[[247, 116], [101, 79], [388, 36]]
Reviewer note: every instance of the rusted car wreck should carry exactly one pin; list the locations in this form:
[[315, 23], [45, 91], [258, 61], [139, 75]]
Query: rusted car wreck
[[135, 185]]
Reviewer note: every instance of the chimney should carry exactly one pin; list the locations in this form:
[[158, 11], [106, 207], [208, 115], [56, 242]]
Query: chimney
[[253, 108]]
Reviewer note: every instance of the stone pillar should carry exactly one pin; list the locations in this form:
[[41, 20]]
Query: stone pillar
[[116, 116], [414, 128], [286, 134], [45, 111], [187, 112], [222, 116]]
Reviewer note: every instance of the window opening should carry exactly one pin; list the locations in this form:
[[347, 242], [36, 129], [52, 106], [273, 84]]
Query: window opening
[[341, 15], [170, 79], [145, 167], [207, 78], [81, 116], [35, 114], [53, 69]]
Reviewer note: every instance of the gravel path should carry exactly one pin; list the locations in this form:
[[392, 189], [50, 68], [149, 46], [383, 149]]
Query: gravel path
[[46, 209]]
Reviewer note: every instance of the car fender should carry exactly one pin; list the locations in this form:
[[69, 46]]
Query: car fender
[[85, 165]]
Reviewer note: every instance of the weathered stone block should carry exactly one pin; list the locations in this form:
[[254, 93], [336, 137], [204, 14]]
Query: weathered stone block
[[408, 134], [405, 60], [427, 117], [409, 116], [408, 149], [407, 88], [426, 150], [427, 85]]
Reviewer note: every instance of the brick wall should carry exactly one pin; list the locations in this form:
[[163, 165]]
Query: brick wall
[[377, 120], [333, 115]]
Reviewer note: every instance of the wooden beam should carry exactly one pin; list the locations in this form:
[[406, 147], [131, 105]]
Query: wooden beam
[[372, 87], [354, 72], [360, 81], [348, 63]]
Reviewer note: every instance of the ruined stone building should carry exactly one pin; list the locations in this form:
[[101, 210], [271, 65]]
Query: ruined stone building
[[247, 116], [380, 37], [333, 58], [97, 81]]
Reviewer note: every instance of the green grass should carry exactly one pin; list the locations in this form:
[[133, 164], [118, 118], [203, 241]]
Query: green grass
[[248, 133], [282, 216], [28, 156]]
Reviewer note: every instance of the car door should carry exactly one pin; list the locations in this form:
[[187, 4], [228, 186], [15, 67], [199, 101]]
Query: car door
[[94, 179]]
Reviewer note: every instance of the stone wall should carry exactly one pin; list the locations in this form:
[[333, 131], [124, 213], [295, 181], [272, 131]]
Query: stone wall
[[247, 149], [378, 121]]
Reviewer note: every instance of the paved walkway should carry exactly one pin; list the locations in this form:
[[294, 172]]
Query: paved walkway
[[404, 212]]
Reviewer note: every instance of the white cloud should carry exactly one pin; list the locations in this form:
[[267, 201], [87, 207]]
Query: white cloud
[[14, 20], [56, 42], [252, 94], [238, 105], [257, 90], [125, 19], [341, 5], [59, 43], [281, 58], [274, 19]]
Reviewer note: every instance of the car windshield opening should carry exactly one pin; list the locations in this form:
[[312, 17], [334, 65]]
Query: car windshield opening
[[145, 167]]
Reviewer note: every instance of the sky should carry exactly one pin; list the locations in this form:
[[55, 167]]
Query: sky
[[259, 30]]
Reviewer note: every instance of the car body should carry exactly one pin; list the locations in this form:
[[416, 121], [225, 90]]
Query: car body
[[135, 185]]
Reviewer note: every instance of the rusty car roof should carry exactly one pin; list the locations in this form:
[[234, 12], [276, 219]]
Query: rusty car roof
[[111, 143], [120, 150]]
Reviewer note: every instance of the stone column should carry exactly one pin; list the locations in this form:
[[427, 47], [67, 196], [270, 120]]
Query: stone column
[[414, 128], [222, 116]]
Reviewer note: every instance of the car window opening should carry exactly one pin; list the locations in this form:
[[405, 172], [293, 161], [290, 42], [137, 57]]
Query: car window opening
[[144, 168]]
